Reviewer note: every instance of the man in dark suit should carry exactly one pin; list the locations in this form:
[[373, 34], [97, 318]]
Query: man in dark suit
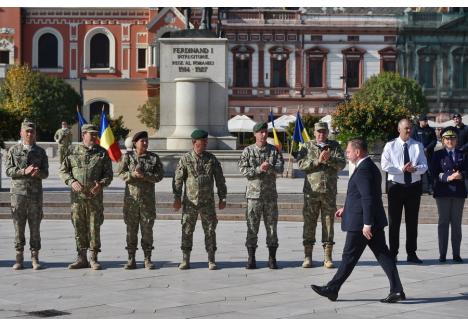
[[363, 217]]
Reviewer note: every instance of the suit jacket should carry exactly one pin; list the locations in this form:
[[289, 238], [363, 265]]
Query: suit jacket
[[441, 167], [363, 203]]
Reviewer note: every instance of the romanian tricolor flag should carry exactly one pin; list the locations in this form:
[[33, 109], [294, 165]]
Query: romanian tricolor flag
[[275, 136], [300, 134], [107, 140]]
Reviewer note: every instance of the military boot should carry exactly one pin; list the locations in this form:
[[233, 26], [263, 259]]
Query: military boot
[[327, 261], [131, 263], [19, 261], [148, 263], [211, 261], [272, 258], [185, 264], [35, 260], [81, 260], [251, 263], [94, 261], [307, 257]]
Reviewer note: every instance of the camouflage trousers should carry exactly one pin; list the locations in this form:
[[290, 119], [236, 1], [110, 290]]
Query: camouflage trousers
[[87, 217], [137, 215], [62, 150], [315, 204], [256, 208], [27, 209], [189, 220]]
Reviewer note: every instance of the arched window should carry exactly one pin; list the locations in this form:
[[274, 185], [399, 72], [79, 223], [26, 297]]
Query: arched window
[[427, 68], [460, 68], [48, 51], [95, 109], [99, 51], [242, 66], [279, 58]]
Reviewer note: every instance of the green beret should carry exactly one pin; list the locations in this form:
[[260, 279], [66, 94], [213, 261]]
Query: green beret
[[27, 124], [259, 126], [199, 134], [449, 132], [321, 126], [88, 127], [139, 135]]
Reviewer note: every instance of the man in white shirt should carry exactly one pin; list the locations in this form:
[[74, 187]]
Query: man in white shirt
[[404, 160]]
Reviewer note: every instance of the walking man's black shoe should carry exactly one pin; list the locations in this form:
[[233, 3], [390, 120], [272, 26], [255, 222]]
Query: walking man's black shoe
[[394, 297], [325, 291], [457, 259], [412, 258]]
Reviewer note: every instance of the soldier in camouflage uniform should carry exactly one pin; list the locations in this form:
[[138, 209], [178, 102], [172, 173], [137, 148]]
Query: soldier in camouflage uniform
[[321, 159], [196, 172], [27, 165], [260, 163], [87, 168], [63, 137], [140, 170]]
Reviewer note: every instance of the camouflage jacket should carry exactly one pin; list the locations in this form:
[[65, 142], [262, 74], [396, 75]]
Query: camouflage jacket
[[197, 174], [18, 159], [87, 166], [63, 137], [321, 177], [151, 167], [261, 184]]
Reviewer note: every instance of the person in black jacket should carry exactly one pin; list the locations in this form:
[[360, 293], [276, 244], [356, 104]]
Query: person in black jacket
[[426, 136], [363, 217], [462, 142], [449, 166]]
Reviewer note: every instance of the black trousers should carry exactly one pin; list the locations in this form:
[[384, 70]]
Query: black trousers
[[353, 249], [399, 197]]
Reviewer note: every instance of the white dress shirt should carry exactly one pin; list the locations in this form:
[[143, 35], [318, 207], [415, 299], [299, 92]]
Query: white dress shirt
[[392, 160]]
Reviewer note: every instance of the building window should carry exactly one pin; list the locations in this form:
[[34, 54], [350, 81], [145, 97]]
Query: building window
[[95, 109], [5, 57], [99, 51], [242, 56], [353, 38], [427, 67], [388, 59], [47, 50], [142, 58], [48, 46], [316, 38], [460, 68], [316, 71], [353, 62], [279, 58]]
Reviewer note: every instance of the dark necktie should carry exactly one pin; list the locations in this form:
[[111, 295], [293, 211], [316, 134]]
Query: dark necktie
[[451, 156], [406, 158]]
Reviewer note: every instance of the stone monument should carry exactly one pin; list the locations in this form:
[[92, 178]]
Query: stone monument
[[193, 91]]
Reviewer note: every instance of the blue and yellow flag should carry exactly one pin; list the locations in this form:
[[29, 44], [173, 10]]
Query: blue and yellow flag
[[300, 134], [275, 136], [81, 120]]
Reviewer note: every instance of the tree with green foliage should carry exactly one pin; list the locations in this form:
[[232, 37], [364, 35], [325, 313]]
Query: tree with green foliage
[[149, 113], [46, 100], [375, 109], [117, 126]]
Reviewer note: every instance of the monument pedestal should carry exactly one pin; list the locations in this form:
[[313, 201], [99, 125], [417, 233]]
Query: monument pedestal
[[193, 93]]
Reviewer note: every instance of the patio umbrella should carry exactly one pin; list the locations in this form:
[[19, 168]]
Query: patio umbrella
[[282, 122], [240, 123]]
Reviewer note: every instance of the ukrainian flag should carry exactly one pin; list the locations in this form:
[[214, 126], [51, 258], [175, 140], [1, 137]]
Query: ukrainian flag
[[107, 140], [300, 134], [275, 136]]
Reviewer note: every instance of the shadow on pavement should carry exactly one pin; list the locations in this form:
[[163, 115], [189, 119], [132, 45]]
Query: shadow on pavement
[[462, 296]]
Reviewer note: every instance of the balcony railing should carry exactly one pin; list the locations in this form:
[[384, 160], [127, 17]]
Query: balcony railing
[[241, 91], [3, 70], [279, 90]]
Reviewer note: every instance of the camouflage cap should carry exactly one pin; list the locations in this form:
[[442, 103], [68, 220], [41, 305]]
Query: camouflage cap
[[27, 125], [321, 126], [199, 134], [457, 115], [422, 117], [88, 127], [139, 135], [259, 126], [449, 132]]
